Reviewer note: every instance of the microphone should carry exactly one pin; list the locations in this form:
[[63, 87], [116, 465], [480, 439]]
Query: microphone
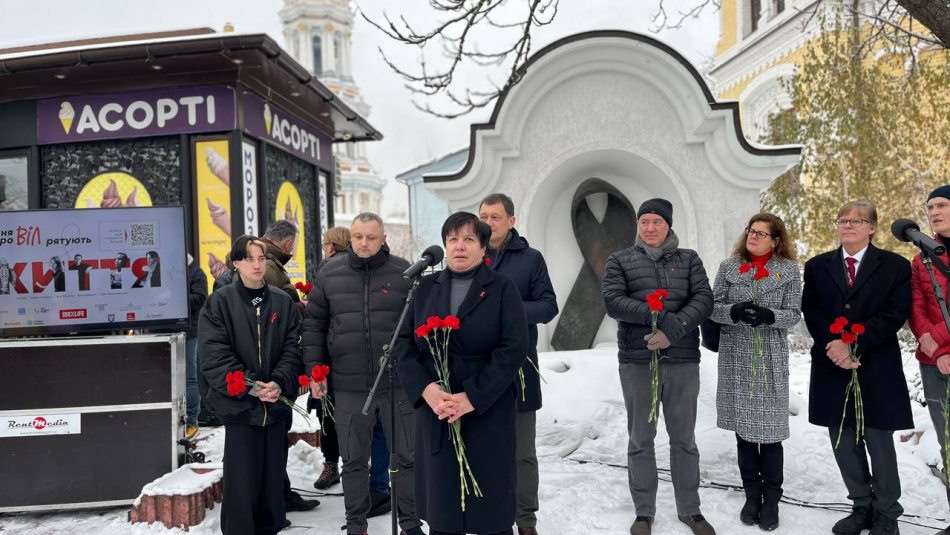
[[907, 230], [430, 257]]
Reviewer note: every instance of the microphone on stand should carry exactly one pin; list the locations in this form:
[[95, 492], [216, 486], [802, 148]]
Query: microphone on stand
[[430, 257], [907, 230]]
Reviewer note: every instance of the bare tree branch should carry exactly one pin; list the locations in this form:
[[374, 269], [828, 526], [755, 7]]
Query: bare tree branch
[[661, 20]]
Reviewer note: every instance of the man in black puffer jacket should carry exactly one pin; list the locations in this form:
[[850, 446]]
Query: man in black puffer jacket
[[253, 328], [350, 315], [657, 262]]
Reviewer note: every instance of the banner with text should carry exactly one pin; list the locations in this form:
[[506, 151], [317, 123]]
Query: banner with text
[[280, 128], [97, 269], [136, 114]]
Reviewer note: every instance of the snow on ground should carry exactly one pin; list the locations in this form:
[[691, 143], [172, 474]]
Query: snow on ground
[[582, 451]]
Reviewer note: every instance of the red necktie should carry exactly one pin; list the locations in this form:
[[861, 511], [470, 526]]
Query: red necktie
[[852, 272]]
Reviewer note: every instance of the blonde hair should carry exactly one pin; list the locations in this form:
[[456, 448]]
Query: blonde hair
[[339, 237]]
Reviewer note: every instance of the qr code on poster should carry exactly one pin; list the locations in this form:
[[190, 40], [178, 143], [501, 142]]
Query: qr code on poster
[[142, 234]]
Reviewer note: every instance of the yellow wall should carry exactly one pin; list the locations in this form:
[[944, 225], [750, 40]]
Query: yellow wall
[[728, 27]]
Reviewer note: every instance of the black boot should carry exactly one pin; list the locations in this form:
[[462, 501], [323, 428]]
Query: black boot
[[768, 518], [750, 470], [859, 519], [749, 515], [773, 460]]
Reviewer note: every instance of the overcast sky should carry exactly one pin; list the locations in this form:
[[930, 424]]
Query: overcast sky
[[411, 137]]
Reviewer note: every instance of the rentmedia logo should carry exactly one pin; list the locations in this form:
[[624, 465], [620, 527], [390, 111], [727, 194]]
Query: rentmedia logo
[[72, 314]]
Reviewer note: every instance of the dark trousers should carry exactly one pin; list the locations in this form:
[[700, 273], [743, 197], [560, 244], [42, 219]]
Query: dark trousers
[[355, 434], [502, 532], [379, 461], [287, 489], [527, 459], [328, 439], [935, 388], [254, 461], [879, 490], [762, 468]]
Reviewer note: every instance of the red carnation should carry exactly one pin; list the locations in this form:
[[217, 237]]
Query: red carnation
[[303, 380], [848, 338], [319, 373], [857, 328], [307, 287], [434, 322], [299, 285], [655, 302], [487, 261], [662, 293], [745, 268], [451, 322], [841, 320], [836, 328], [761, 273], [235, 381], [423, 330]]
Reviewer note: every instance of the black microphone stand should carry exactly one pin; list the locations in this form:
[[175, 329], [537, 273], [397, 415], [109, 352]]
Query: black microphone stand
[[386, 364]]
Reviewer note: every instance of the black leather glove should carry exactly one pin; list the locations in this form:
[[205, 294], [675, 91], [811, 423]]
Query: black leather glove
[[738, 311], [765, 316]]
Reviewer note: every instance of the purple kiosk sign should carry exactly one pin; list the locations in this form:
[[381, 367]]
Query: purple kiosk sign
[[278, 127], [138, 114]]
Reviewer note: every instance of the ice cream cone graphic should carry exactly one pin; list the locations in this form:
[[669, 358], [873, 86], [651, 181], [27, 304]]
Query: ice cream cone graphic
[[66, 116], [267, 117], [219, 216], [216, 266], [110, 197], [218, 165]]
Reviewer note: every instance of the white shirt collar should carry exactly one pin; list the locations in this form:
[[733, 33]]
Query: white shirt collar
[[857, 256]]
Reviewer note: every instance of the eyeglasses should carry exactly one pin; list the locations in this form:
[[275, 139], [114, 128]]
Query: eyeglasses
[[853, 222], [758, 234]]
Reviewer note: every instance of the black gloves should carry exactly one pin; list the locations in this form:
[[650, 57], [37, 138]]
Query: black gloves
[[766, 316], [751, 314], [738, 311]]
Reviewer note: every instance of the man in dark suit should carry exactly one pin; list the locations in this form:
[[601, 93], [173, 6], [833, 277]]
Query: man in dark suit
[[869, 286], [508, 253]]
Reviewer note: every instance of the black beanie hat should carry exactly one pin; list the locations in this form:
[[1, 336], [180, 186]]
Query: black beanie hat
[[942, 191], [660, 207]]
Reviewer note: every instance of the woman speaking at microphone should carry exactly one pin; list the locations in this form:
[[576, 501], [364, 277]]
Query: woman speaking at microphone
[[484, 354]]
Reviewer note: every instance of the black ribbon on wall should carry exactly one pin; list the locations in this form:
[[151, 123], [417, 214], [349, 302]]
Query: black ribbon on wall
[[584, 310]]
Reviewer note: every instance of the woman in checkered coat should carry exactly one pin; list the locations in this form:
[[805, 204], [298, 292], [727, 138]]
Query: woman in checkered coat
[[757, 298]]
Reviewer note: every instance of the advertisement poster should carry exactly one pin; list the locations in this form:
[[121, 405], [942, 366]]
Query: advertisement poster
[[324, 209], [213, 206], [290, 207], [113, 190], [91, 270]]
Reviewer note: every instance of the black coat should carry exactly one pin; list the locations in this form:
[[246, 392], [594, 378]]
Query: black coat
[[232, 335], [526, 268], [197, 295], [351, 314], [630, 275], [485, 354], [879, 299]]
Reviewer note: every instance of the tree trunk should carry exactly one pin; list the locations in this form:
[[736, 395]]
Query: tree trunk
[[934, 14]]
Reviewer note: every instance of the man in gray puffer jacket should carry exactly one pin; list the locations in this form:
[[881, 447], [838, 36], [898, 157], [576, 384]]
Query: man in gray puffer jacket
[[656, 262]]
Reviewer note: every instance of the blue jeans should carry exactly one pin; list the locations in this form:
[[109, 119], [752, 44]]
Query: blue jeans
[[192, 397], [379, 461]]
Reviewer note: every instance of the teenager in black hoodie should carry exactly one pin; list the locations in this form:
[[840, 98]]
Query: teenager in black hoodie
[[251, 327]]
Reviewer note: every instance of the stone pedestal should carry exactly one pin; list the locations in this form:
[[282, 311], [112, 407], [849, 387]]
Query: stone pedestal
[[181, 498]]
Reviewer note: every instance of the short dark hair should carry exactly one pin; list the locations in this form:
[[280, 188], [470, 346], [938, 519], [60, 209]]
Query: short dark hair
[[122, 259], [241, 245], [496, 198], [366, 217], [280, 230], [460, 220], [151, 254]]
